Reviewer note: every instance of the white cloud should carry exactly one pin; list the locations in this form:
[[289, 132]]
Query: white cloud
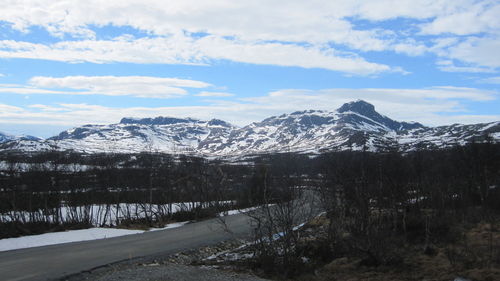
[[104, 82], [178, 50], [138, 86], [286, 33], [47, 108], [214, 94], [491, 80], [430, 106], [380, 10], [288, 55], [449, 66], [23, 90], [311, 21], [478, 51], [472, 18], [186, 50], [8, 109]]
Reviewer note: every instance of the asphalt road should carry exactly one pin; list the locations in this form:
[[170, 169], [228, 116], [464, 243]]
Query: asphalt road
[[56, 261]]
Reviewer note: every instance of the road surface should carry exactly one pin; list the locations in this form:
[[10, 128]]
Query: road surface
[[56, 261]]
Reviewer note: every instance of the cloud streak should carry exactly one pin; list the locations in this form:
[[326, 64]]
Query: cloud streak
[[186, 50], [491, 80], [137, 86]]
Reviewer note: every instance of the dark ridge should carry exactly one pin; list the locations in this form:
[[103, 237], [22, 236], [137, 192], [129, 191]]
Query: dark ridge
[[218, 122], [157, 121], [359, 106]]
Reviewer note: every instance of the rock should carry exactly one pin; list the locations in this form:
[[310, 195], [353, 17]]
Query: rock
[[340, 261], [461, 279]]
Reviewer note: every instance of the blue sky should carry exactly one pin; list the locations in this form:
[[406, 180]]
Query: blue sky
[[69, 63]]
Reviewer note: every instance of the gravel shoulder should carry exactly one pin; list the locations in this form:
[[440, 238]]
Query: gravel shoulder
[[179, 267], [166, 272]]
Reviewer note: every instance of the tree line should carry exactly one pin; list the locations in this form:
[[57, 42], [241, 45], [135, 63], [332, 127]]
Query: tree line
[[57, 190]]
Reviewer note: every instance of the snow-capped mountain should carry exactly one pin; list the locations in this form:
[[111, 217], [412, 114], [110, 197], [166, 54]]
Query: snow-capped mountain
[[7, 138], [354, 126], [161, 134]]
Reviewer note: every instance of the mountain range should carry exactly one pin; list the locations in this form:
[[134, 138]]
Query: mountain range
[[353, 126]]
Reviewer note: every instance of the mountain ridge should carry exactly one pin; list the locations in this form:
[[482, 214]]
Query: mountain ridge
[[354, 126], [6, 137]]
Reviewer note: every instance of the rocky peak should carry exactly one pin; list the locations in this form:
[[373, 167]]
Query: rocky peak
[[367, 110], [359, 106], [218, 122], [157, 121]]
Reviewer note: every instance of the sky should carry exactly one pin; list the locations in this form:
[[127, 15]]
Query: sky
[[67, 63]]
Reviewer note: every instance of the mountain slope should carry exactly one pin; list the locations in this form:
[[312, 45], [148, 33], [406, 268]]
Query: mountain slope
[[7, 138], [160, 134], [354, 126]]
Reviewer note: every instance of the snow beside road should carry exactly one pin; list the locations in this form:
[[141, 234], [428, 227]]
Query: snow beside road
[[86, 234], [237, 211], [71, 236], [241, 211]]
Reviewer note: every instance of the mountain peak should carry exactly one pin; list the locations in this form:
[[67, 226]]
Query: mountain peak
[[367, 110], [157, 121], [218, 122], [360, 106]]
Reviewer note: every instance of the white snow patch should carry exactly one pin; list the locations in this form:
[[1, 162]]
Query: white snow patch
[[63, 237], [72, 236], [235, 212], [170, 225]]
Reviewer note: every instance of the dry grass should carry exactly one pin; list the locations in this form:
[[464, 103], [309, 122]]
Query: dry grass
[[477, 257]]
